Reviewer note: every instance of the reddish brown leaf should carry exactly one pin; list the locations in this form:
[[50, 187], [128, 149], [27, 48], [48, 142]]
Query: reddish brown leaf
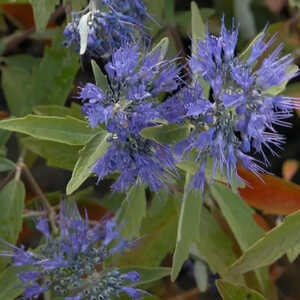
[[21, 14], [271, 194], [261, 222]]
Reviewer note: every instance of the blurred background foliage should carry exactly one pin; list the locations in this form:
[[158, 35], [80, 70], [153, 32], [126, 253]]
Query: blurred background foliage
[[31, 82]]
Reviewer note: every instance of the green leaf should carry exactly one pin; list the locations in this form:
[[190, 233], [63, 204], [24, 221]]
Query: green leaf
[[42, 10], [159, 235], [53, 79], [293, 253], [148, 274], [87, 158], [6, 164], [277, 89], [295, 3], [59, 111], [244, 13], [190, 165], [15, 83], [100, 78], [170, 11], [12, 198], [188, 228], [239, 217], [271, 246], [62, 130], [10, 285], [4, 136], [49, 82], [231, 291], [77, 5], [163, 45], [247, 52], [198, 33], [21, 61], [133, 210], [214, 245], [57, 154], [166, 134]]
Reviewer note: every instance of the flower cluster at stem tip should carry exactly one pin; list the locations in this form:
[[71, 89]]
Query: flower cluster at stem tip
[[72, 264], [128, 105], [111, 23], [242, 111], [238, 118]]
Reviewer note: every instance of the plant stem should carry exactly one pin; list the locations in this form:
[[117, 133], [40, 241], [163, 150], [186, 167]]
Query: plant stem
[[40, 194]]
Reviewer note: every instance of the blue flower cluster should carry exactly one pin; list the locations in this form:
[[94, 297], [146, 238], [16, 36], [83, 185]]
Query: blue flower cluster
[[71, 264], [126, 107], [111, 24], [243, 110]]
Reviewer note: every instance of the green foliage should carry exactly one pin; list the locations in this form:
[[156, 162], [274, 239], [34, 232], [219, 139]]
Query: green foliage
[[166, 134], [230, 291], [66, 130], [237, 213], [12, 198], [159, 234], [188, 227], [214, 245], [198, 33], [100, 78], [42, 10], [6, 164], [10, 285], [271, 246], [163, 45], [95, 148], [132, 210], [40, 82], [57, 154], [239, 217], [59, 111]]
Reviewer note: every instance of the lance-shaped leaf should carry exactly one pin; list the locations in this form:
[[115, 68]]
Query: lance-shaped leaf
[[270, 193], [59, 111], [166, 134], [6, 164], [42, 10], [198, 33], [162, 46], [28, 81], [132, 210], [230, 291], [159, 235], [10, 285], [100, 78], [239, 217], [56, 154], [188, 227], [12, 198], [214, 245], [87, 158], [67, 130], [271, 246]]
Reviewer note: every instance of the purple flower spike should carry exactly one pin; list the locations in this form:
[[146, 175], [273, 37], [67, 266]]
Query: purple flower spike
[[69, 264], [243, 110], [128, 106]]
